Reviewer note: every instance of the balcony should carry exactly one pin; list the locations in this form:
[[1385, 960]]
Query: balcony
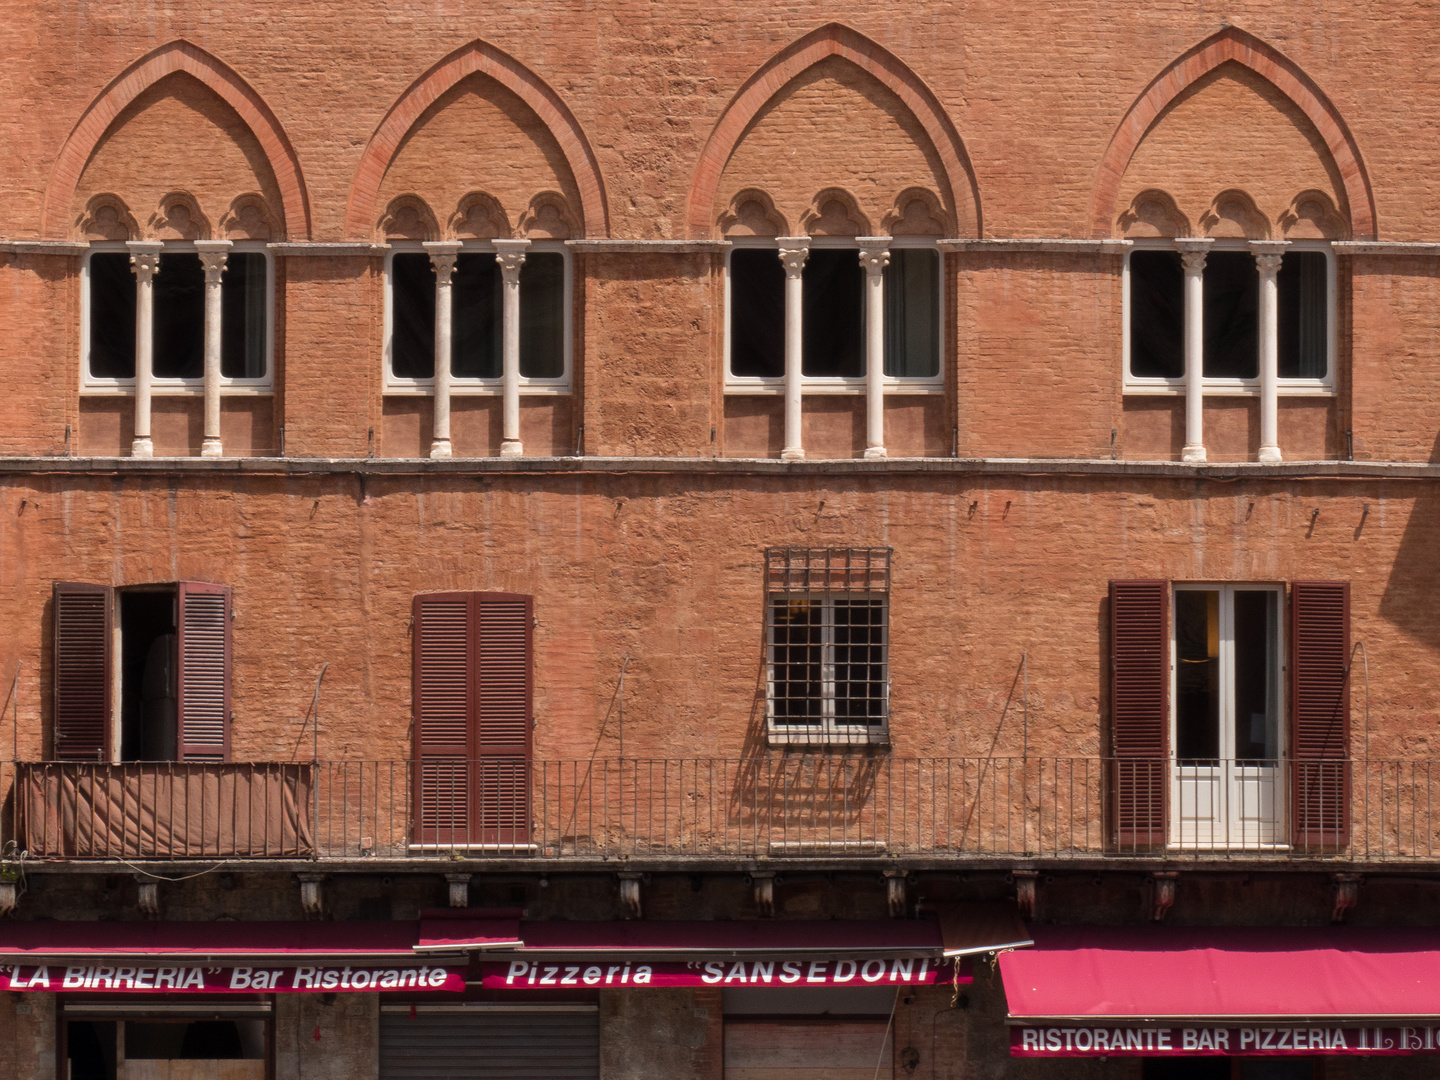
[[849, 806]]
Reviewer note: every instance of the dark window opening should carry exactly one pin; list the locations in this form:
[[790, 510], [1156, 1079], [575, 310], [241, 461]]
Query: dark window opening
[[1257, 698], [757, 314], [179, 313], [243, 291], [1197, 676], [93, 1048], [1157, 315], [912, 313], [1304, 286], [834, 314], [797, 645], [112, 316], [1232, 302], [542, 315], [827, 659], [90, 1049], [149, 684], [412, 317], [476, 319]]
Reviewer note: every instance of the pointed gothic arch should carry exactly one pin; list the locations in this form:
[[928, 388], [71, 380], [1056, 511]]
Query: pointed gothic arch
[[477, 57], [830, 40], [175, 56], [1233, 45]]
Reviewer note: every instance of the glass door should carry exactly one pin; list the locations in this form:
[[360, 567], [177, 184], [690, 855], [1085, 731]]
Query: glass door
[[1226, 783]]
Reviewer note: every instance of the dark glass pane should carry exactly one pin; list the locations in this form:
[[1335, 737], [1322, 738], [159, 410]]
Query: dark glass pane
[[1232, 301], [757, 313], [1304, 315], [112, 316], [412, 317], [797, 629], [476, 318], [859, 660], [180, 318], [242, 297], [542, 316], [1277, 1068], [1257, 725], [1157, 315], [1197, 676], [834, 313], [912, 313], [1179, 1068]]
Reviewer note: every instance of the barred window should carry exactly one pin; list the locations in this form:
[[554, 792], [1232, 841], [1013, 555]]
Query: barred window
[[827, 638]]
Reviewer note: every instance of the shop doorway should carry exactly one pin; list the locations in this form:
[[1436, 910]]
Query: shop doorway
[[821, 1033], [484, 1041], [166, 1049], [1226, 1068]]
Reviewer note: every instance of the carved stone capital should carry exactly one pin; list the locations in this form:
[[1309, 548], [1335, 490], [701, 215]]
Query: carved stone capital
[[1192, 254], [510, 254], [874, 260], [145, 258], [794, 250], [213, 256], [443, 254], [1268, 265]]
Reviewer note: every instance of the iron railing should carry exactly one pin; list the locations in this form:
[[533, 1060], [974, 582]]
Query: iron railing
[[795, 804]]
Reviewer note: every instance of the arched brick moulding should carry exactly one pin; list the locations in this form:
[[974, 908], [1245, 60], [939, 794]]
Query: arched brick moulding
[[1235, 45], [179, 55], [832, 40], [425, 91]]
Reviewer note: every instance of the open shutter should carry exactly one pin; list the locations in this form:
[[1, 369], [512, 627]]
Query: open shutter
[[443, 690], [503, 734], [1320, 712], [1139, 697], [202, 695], [83, 633]]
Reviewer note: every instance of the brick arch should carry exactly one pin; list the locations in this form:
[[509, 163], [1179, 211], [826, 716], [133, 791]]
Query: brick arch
[[833, 39], [181, 56], [1233, 45], [426, 90]]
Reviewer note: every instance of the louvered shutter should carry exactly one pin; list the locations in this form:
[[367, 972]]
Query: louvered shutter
[[443, 694], [84, 627], [503, 734], [1139, 696], [202, 695], [1320, 712]]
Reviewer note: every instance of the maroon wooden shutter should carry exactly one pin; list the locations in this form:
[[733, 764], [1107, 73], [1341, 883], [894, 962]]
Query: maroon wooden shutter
[[84, 624], [503, 733], [202, 695], [1140, 714], [443, 692], [1320, 712]]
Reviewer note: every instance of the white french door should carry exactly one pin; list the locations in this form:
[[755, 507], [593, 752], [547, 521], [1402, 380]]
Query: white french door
[[1227, 782]]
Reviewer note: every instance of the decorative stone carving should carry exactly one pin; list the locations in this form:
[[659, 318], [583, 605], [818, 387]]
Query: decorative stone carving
[[250, 218], [459, 889], [1312, 216], [179, 217], [408, 217], [1234, 215], [1153, 213], [630, 893], [311, 899], [106, 217], [896, 893], [148, 890], [753, 213], [917, 212], [1026, 889], [1164, 898], [479, 217], [1347, 895], [834, 212], [548, 217], [763, 882]]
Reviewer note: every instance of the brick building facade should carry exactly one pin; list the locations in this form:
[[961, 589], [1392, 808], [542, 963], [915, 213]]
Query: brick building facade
[[707, 466]]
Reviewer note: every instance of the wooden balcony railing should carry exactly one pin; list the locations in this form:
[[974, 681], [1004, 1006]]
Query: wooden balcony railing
[[796, 804]]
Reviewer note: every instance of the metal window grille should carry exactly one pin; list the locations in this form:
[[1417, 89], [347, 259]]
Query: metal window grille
[[827, 635]]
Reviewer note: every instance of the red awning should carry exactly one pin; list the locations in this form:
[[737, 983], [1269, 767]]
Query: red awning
[[1223, 973], [34, 942], [464, 935], [760, 937]]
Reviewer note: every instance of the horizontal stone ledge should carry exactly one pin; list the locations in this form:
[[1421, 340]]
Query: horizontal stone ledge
[[329, 251], [701, 466], [1378, 247], [65, 248], [650, 247], [1041, 245]]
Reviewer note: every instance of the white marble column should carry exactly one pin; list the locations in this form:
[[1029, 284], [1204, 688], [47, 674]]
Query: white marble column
[[442, 259], [145, 262], [874, 257], [213, 256], [794, 250], [1192, 256], [510, 254], [1268, 255]]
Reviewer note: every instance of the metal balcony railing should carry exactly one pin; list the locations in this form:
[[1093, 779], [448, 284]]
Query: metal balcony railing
[[776, 805]]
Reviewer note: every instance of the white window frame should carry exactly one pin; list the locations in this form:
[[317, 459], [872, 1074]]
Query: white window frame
[[395, 386], [98, 387], [828, 729], [1214, 387], [827, 384]]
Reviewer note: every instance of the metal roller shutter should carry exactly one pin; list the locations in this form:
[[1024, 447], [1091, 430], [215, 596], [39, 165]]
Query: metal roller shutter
[[549, 1044]]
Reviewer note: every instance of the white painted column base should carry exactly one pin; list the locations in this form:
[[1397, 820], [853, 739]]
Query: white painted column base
[[211, 448], [440, 448], [512, 448], [875, 452], [142, 448]]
